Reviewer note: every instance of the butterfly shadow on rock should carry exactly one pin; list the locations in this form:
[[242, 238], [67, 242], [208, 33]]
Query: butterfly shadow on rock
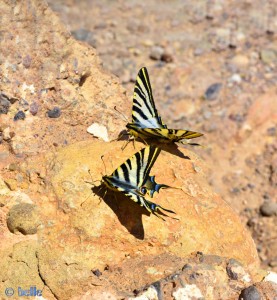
[[127, 211], [170, 147]]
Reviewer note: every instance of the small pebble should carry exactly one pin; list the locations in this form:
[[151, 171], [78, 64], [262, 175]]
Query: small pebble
[[97, 272], [198, 52], [186, 267], [24, 105], [24, 218], [167, 57], [156, 53], [4, 104], [273, 263], [33, 108], [271, 131], [268, 56], [268, 209], [54, 113], [231, 273], [235, 78], [250, 293], [20, 115], [213, 91], [27, 61], [236, 118], [81, 34], [85, 35]]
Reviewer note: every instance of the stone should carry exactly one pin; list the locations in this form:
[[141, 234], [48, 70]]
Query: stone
[[250, 293], [213, 91], [235, 78], [34, 108], [23, 105], [100, 223], [156, 53], [27, 60], [4, 104], [268, 209], [86, 91], [86, 35], [21, 259], [240, 60], [23, 218], [98, 130], [20, 115], [269, 56], [54, 113]]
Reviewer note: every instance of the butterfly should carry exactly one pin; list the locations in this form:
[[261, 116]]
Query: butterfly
[[133, 180], [146, 122]]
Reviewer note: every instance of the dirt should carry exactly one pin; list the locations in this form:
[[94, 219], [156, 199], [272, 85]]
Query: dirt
[[187, 47]]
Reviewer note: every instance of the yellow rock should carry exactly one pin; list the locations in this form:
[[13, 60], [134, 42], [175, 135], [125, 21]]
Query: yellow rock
[[108, 231]]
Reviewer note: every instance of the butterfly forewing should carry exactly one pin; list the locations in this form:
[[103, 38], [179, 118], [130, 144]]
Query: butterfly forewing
[[144, 110], [133, 174], [146, 122], [135, 170]]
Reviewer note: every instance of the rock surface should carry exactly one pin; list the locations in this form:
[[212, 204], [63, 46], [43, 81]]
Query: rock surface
[[70, 83], [80, 246], [84, 230]]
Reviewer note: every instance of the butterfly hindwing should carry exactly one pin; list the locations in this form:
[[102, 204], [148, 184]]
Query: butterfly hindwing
[[163, 134], [133, 180], [146, 122]]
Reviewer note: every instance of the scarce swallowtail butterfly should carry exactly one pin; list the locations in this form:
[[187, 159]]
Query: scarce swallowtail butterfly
[[133, 180], [146, 122]]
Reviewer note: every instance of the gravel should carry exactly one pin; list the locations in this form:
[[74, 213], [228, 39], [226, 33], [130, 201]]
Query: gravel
[[20, 115], [213, 91], [54, 113], [250, 293], [268, 209]]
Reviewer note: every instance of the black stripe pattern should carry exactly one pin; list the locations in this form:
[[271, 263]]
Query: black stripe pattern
[[132, 178], [146, 122]]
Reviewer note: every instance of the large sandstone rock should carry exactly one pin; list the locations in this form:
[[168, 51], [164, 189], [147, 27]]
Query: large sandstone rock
[[85, 244], [83, 232], [44, 67]]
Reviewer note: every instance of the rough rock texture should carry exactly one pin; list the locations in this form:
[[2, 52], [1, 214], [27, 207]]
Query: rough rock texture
[[23, 218], [84, 231], [42, 69], [84, 243], [228, 42]]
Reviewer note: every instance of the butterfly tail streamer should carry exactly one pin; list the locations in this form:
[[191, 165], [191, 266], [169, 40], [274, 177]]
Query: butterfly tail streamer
[[156, 209]]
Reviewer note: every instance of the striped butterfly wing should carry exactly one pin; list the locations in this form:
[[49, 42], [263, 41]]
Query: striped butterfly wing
[[132, 178], [163, 135], [146, 122], [145, 114]]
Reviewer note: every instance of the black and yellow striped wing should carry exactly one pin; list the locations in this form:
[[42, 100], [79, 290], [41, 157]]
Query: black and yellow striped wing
[[146, 122], [144, 113], [133, 180], [163, 135]]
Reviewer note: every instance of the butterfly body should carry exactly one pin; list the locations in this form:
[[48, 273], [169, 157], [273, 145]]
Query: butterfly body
[[161, 135], [146, 122], [133, 180]]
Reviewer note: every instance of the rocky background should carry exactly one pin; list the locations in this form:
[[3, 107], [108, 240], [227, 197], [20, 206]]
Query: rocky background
[[212, 66]]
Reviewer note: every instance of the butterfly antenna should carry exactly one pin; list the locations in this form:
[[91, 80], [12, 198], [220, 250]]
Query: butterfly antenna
[[92, 181], [124, 117]]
